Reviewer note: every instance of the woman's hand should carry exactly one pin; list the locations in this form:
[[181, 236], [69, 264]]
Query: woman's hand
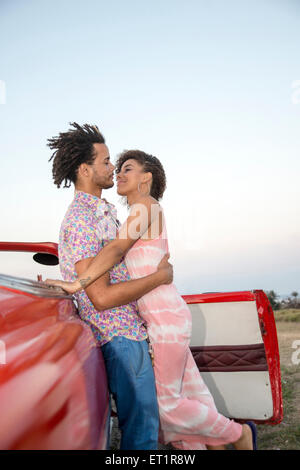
[[166, 269], [69, 287]]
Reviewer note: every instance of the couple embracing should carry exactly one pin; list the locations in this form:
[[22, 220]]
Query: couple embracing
[[122, 280]]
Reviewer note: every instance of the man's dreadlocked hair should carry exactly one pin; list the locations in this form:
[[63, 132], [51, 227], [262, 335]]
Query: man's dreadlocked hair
[[71, 149]]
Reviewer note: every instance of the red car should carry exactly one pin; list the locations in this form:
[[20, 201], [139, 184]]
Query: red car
[[53, 386]]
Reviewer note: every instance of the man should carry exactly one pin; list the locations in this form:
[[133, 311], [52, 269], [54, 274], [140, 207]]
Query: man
[[81, 157]]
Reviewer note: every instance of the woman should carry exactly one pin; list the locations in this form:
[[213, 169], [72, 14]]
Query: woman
[[188, 416]]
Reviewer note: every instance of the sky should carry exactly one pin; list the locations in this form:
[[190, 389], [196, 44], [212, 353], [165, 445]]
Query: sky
[[210, 88]]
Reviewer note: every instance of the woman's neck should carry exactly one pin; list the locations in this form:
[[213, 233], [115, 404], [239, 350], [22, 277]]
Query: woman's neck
[[132, 198]]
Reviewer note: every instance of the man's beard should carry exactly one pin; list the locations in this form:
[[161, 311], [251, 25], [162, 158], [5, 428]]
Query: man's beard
[[103, 183], [108, 185]]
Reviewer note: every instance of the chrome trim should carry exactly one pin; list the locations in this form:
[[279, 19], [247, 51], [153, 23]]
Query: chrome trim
[[33, 287]]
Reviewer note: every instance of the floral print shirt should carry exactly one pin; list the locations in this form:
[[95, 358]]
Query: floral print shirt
[[89, 224]]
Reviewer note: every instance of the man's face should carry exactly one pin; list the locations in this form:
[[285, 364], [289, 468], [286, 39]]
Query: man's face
[[102, 170]]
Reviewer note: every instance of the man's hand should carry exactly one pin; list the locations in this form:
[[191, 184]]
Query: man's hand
[[69, 287], [166, 269]]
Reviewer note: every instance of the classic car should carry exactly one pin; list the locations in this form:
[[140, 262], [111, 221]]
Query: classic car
[[53, 386]]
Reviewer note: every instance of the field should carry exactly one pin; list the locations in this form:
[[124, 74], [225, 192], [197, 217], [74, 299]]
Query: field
[[286, 435]]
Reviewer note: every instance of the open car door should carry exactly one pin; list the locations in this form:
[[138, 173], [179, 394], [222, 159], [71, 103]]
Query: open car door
[[234, 344]]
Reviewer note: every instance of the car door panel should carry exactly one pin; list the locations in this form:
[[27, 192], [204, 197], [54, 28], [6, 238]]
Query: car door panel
[[234, 344]]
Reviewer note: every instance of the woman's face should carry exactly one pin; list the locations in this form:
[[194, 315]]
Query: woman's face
[[131, 178]]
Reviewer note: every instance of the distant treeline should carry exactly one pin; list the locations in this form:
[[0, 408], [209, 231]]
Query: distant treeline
[[292, 301]]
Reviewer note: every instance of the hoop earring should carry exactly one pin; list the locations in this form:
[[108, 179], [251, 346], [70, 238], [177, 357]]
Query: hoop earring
[[144, 194]]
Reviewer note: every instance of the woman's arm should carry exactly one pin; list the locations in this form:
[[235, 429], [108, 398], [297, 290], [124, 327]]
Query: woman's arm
[[137, 223], [105, 295]]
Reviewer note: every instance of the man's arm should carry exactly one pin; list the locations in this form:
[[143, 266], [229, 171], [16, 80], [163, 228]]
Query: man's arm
[[137, 223], [104, 295]]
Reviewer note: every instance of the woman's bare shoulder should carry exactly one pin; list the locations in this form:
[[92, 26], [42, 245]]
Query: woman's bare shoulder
[[148, 201]]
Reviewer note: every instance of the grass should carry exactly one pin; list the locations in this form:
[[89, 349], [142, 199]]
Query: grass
[[286, 435], [287, 315]]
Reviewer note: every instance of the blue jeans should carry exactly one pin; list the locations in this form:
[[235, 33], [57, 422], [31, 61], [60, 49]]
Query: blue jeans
[[131, 382]]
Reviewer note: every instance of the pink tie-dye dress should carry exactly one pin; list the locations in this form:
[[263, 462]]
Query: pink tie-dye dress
[[188, 416]]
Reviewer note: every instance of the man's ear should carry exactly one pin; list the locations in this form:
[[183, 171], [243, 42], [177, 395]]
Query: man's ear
[[83, 170]]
